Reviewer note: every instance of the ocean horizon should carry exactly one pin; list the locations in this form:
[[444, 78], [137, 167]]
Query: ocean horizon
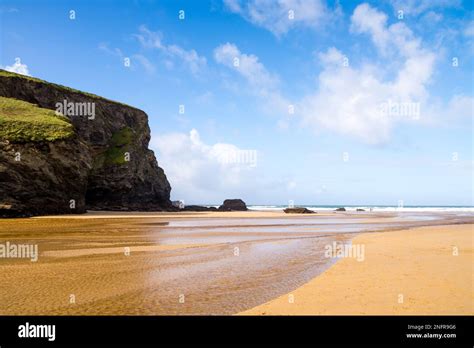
[[348, 207]]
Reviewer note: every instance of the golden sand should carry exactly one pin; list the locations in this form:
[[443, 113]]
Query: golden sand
[[426, 270], [118, 264], [84, 256], [115, 250]]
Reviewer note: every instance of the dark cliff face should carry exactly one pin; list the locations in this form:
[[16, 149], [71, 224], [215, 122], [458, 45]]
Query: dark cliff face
[[104, 165]]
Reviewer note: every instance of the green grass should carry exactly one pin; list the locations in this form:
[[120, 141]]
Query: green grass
[[119, 144], [122, 137], [4, 73], [21, 121], [11, 74]]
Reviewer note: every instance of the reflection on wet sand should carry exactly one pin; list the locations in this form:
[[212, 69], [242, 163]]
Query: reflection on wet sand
[[197, 264]]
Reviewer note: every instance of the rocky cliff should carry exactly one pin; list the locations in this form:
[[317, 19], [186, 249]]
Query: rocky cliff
[[64, 151]]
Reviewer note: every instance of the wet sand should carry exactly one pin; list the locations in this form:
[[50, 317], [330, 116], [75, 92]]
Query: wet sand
[[183, 263], [408, 272]]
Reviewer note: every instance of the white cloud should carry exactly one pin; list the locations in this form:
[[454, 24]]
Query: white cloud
[[458, 108], [275, 15], [398, 41], [141, 59], [416, 7], [233, 5], [366, 101], [350, 100], [396, 38], [366, 19], [149, 39], [115, 51], [469, 30], [432, 17], [18, 67], [461, 106], [154, 40], [200, 172], [262, 83], [191, 58], [145, 63], [247, 65]]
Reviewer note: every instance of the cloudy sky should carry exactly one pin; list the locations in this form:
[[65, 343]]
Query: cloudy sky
[[319, 102]]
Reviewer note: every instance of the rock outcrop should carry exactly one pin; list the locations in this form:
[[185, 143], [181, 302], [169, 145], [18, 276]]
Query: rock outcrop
[[233, 205], [340, 209], [104, 165], [198, 208], [298, 210]]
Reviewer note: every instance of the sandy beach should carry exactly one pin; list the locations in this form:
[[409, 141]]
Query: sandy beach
[[104, 263], [426, 270]]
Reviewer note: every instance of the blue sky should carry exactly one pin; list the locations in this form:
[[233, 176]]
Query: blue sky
[[319, 102]]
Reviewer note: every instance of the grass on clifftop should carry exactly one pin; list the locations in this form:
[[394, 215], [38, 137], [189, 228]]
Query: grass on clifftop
[[4, 73], [21, 121], [12, 74]]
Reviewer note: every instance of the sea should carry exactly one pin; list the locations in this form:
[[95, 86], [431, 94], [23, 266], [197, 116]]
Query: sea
[[374, 208]]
